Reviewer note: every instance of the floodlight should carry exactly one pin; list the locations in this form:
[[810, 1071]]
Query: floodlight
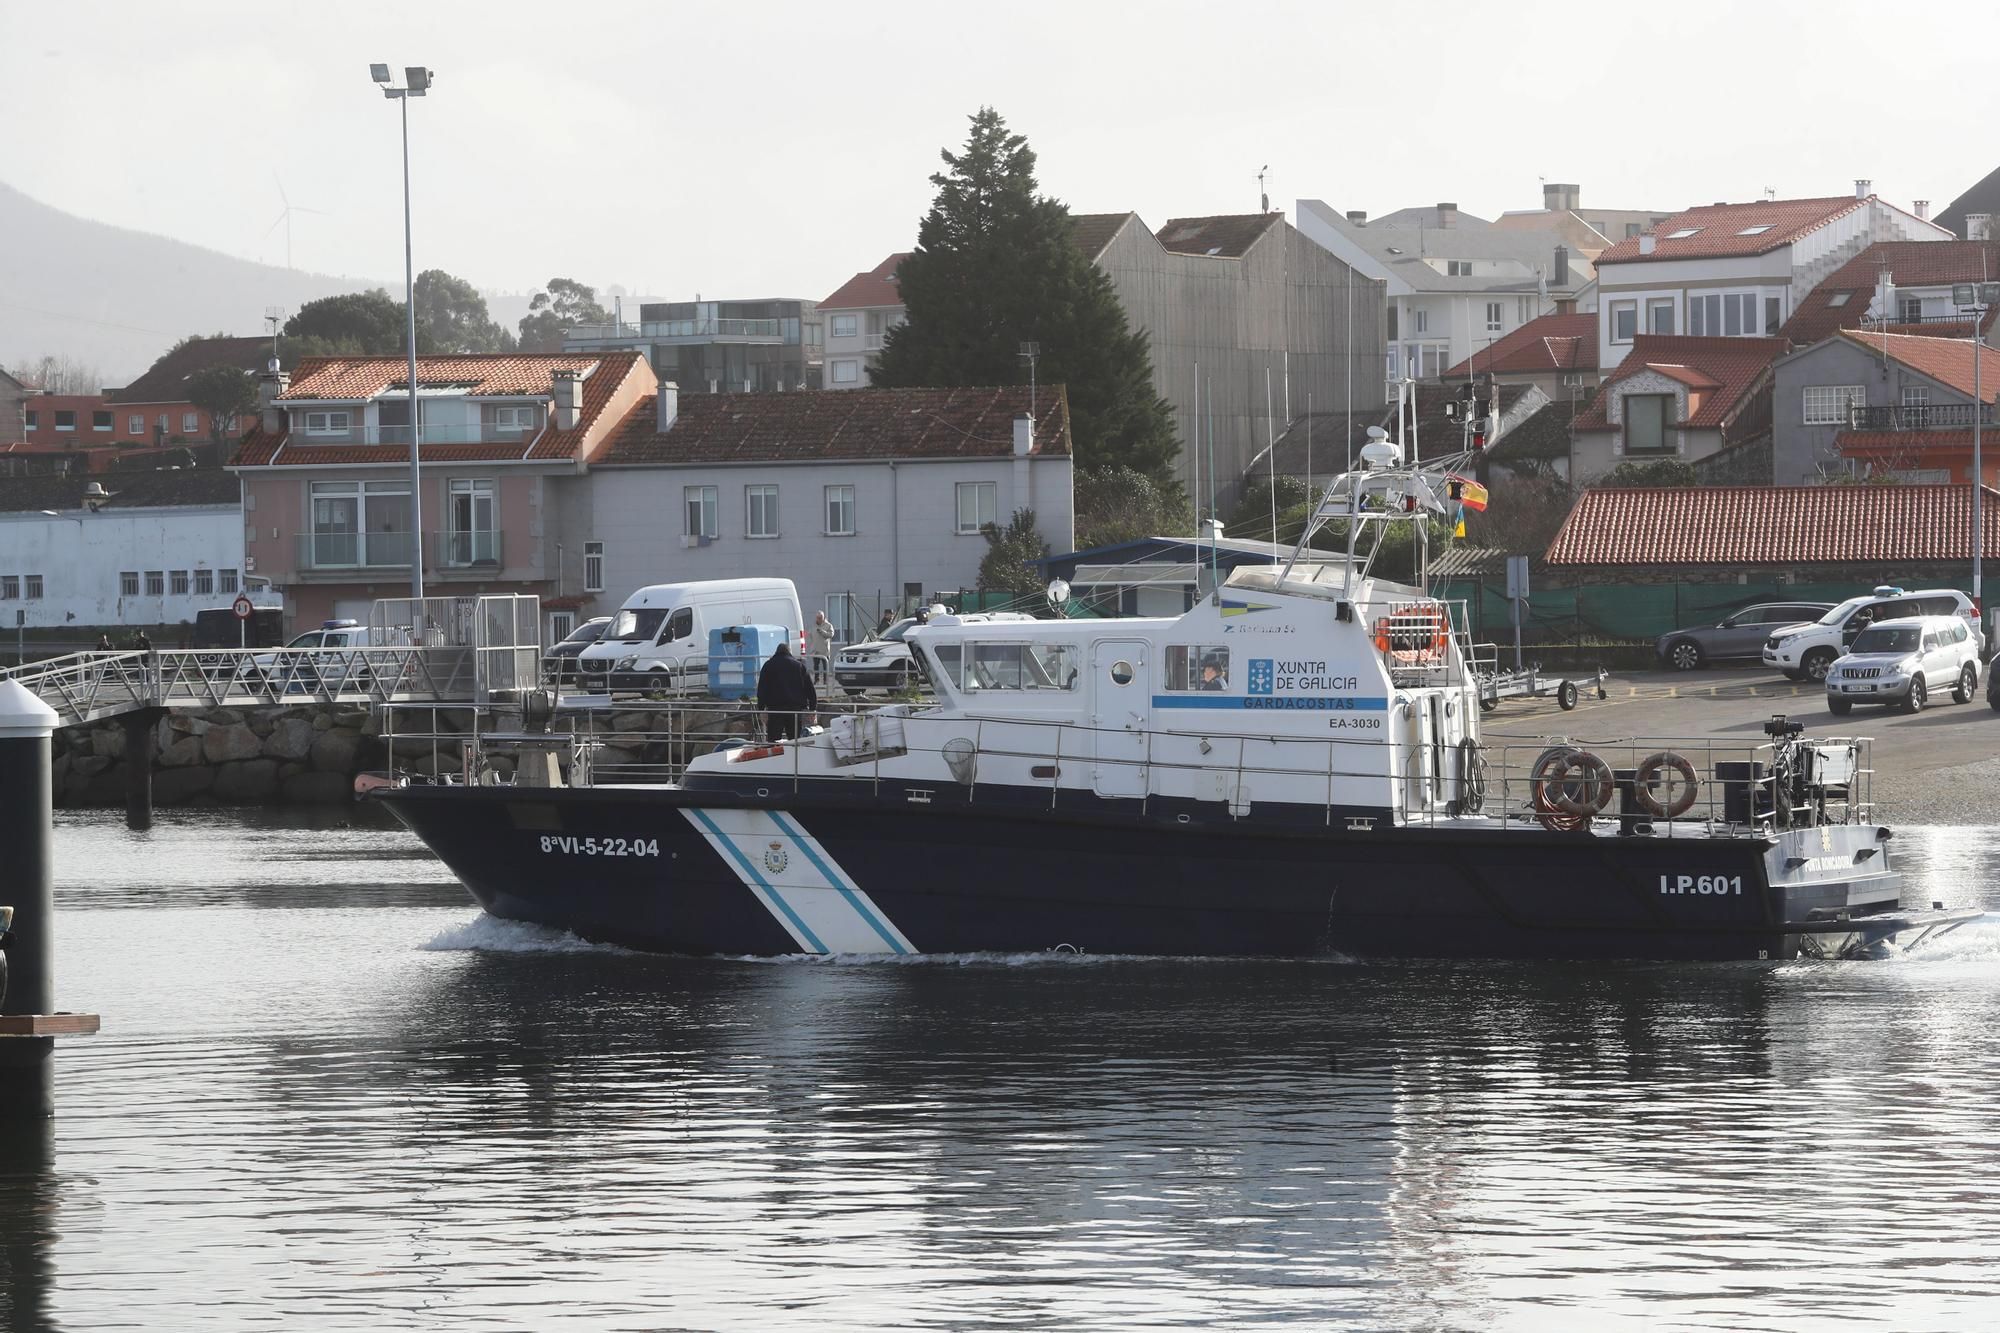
[[379, 73], [417, 78]]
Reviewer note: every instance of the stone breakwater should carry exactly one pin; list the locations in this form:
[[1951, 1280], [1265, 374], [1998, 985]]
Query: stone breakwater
[[225, 756]]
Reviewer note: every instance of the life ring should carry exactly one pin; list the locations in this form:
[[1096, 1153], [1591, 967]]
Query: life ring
[[1572, 782], [1647, 778], [1424, 630], [1382, 635]]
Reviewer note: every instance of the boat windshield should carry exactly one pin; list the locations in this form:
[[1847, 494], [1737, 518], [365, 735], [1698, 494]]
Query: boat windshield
[[1888, 639], [638, 624]]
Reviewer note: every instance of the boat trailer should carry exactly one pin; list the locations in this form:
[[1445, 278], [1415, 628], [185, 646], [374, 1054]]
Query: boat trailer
[[1533, 683]]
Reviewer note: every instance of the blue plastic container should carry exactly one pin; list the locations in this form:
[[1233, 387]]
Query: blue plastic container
[[736, 653]]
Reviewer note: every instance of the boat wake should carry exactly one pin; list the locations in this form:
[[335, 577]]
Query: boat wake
[[1064, 957], [490, 934]]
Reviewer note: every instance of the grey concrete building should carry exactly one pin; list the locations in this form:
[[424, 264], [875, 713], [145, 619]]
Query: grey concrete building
[[1230, 303], [719, 346], [1866, 403]]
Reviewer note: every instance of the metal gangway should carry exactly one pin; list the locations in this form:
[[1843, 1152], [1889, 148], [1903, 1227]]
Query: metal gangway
[[439, 650]]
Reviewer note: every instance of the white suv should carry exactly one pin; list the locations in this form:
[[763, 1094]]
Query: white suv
[[884, 663], [1805, 651], [1903, 661]]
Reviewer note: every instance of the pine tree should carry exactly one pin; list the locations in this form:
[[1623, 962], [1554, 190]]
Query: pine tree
[[995, 267]]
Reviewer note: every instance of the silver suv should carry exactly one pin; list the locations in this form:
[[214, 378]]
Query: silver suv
[[1903, 661], [1804, 652]]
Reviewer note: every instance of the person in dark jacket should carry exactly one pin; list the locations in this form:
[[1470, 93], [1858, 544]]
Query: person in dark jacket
[[785, 693]]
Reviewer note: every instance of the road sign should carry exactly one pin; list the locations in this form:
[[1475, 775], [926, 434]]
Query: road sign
[[242, 607], [1517, 578]]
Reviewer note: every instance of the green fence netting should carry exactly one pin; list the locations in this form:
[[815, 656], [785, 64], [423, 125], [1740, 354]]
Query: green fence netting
[[1629, 612]]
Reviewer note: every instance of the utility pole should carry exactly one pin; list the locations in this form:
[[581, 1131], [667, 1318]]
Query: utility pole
[[418, 81]]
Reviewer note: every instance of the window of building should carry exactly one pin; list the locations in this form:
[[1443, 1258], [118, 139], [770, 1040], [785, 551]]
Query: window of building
[[978, 505], [1774, 317], [156, 583], [1837, 300], [1020, 666], [760, 511], [1757, 230], [1420, 321], [1916, 395], [100, 421], [843, 326], [840, 511], [1458, 268], [700, 501], [190, 422], [593, 566], [1683, 233], [1624, 320], [65, 421], [1660, 315], [10, 587], [177, 583], [1729, 315], [359, 524], [31, 587], [875, 323], [135, 425], [225, 580], [562, 624], [204, 583], [1827, 404], [1494, 318], [32, 420], [327, 423], [516, 418], [846, 372], [1390, 312], [1197, 668], [1646, 422], [128, 583], [1634, 228], [1909, 310], [472, 525]]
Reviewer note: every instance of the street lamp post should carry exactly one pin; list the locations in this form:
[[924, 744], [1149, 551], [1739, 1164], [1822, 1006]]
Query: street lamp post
[[417, 81], [1975, 300]]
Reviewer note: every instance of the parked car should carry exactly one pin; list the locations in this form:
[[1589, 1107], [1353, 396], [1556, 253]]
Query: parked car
[[337, 665], [884, 663], [1740, 635], [1903, 661], [559, 662], [1806, 651]]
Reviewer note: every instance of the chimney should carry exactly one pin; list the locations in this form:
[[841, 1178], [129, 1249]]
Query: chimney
[[1024, 435], [1863, 188], [568, 392], [669, 404], [1559, 276], [1978, 226], [1923, 207], [1647, 241], [1565, 305], [1561, 198], [1447, 215], [1358, 216], [269, 385]]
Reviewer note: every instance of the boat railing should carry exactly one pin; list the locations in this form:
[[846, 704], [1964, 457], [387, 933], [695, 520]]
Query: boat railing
[[1638, 786]]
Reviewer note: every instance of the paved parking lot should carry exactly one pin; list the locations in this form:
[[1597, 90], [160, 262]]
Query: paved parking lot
[[1940, 766]]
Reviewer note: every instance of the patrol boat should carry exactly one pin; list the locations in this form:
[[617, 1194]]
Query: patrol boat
[[1292, 767]]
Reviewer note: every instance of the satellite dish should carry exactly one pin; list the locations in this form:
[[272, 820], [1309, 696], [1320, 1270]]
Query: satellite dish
[[1058, 593]]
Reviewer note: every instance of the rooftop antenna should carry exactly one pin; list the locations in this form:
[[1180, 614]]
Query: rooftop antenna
[[1263, 199], [1770, 192], [274, 315], [1029, 351]]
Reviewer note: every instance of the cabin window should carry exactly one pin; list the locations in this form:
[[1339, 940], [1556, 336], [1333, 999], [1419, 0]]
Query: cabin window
[[1197, 668], [1019, 666], [1121, 673]]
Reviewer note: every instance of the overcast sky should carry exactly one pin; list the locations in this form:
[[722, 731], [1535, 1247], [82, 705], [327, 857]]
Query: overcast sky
[[773, 149]]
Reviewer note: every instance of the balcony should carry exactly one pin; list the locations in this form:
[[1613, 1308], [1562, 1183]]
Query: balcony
[[471, 550], [1926, 416], [455, 434], [680, 331], [1896, 321], [323, 551]]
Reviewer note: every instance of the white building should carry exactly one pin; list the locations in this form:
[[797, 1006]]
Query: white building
[[1737, 270], [869, 501], [1452, 290], [163, 546], [856, 319]]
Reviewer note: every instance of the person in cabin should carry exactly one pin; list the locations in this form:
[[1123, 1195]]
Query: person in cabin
[[1213, 677], [821, 641], [785, 693]]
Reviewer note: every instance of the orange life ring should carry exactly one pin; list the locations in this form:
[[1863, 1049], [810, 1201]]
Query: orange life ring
[[1569, 787], [1382, 635], [1647, 777]]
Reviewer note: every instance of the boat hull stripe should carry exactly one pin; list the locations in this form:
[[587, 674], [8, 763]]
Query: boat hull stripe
[[799, 882], [1277, 703], [764, 889], [863, 906]]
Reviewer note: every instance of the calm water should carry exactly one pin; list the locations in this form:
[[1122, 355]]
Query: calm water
[[330, 1095]]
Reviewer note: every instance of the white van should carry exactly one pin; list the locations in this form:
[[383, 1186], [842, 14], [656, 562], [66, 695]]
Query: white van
[[659, 638]]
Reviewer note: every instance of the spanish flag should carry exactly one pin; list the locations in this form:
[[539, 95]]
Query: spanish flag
[[1470, 493]]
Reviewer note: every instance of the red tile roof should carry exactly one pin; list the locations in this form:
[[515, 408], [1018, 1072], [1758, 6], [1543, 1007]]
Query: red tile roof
[[1909, 264], [1551, 342], [1091, 232], [1949, 361], [358, 378], [1772, 525], [1874, 443], [1225, 237], [852, 424], [1731, 367], [1722, 226], [614, 382], [876, 287]]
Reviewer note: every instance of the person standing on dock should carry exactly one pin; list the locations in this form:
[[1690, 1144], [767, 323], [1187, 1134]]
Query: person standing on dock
[[821, 642], [785, 693]]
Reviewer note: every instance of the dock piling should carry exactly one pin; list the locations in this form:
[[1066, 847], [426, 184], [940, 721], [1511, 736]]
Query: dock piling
[[141, 740]]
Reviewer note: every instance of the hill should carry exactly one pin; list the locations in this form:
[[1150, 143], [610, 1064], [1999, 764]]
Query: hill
[[116, 299]]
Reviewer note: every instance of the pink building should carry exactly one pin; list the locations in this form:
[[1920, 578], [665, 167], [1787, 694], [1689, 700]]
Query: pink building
[[504, 442]]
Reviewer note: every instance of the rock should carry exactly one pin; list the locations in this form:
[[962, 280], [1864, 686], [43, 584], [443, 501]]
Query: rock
[[108, 741], [289, 738], [290, 769], [334, 752], [224, 717], [327, 788], [352, 718], [107, 788], [177, 785], [184, 751], [322, 722], [262, 722], [251, 781], [88, 765], [637, 721], [224, 744]]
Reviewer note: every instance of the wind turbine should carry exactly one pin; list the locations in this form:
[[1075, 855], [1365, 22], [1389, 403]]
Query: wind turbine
[[285, 218]]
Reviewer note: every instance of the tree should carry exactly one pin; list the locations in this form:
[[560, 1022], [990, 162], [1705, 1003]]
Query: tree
[[1251, 518], [451, 316], [353, 324], [1006, 566], [60, 374], [563, 305], [1117, 504], [1524, 513], [995, 267], [1666, 472], [225, 393]]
